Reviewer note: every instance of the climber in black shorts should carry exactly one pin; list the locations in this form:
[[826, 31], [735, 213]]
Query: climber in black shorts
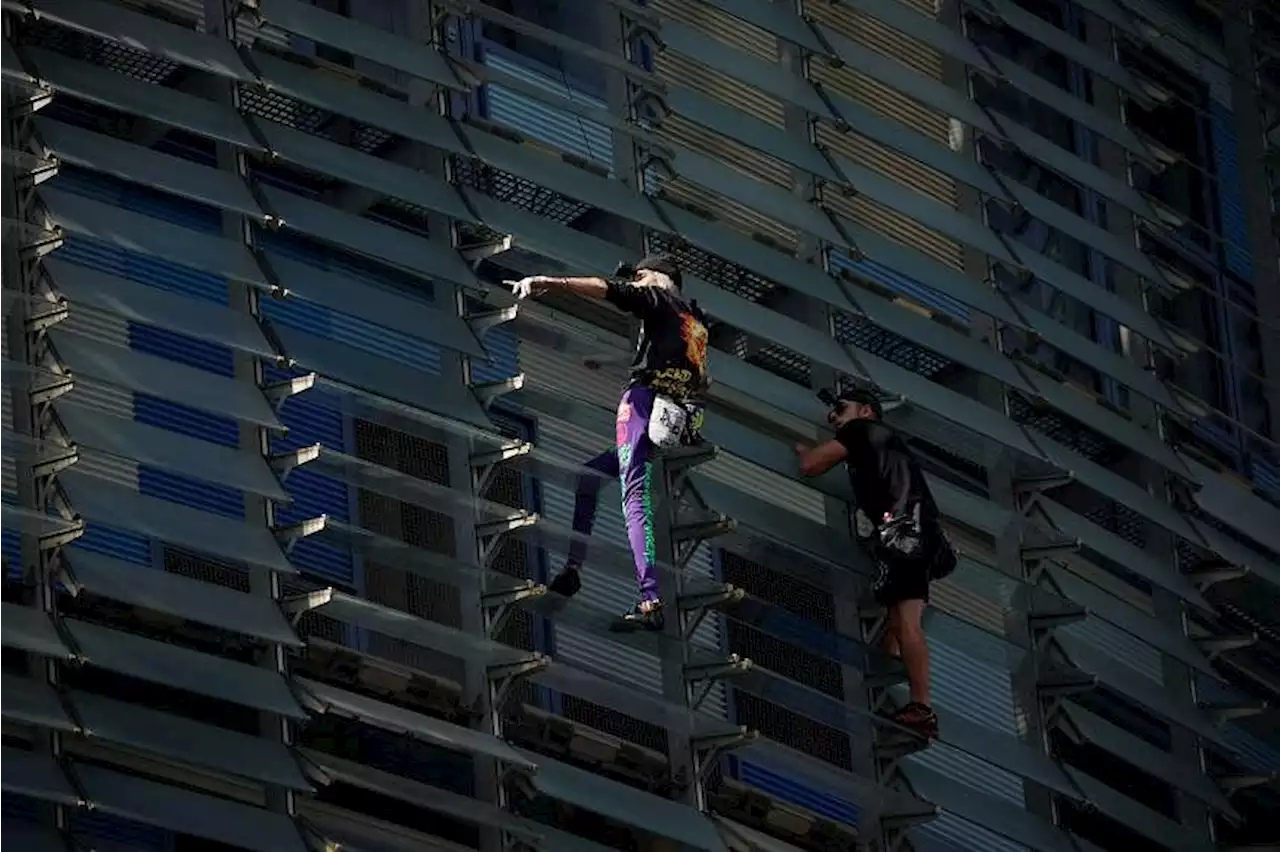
[[906, 540]]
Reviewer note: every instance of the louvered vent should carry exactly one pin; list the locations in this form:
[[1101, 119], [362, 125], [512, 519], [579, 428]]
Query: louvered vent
[[920, 59], [681, 71], [786, 659], [415, 525], [205, 569]]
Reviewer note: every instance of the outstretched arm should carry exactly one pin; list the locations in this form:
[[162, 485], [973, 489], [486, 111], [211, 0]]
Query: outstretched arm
[[536, 285], [815, 461]]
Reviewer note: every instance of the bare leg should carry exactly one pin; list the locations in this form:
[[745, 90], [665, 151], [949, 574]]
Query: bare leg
[[904, 621]]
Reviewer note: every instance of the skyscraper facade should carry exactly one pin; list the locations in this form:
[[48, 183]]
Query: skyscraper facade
[[287, 469]]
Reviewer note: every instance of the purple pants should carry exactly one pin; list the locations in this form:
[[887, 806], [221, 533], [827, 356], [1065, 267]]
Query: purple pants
[[632, 459]]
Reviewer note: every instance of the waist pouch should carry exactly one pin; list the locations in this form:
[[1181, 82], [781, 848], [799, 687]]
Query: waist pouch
[[904, 537], [674, 424]]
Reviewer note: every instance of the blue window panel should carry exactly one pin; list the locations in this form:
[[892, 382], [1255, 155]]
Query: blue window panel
[[1266, 478], [192, 422], [197, 149], [119, 833], [144, 269], [22, 808], [1226, 163], [195, 493], [140, 199], [179, 348], [537, 120], [315, 495], [11, 546], [900, 283], [10, 543], [331, 260], [418, 761], [311, 418], [111, 541], [1257, 754], [344, 328], [503, 347], [788, 790], [355, 332]]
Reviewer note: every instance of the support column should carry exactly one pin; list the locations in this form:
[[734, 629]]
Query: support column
[[1246, 107], [428, 24], [220, 21], [619, 37], [848, 590], [1003, 465], [1169, 609], [21, 277]]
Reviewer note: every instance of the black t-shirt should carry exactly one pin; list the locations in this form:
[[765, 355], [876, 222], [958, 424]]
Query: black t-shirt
[[885, 475], [671, 354]]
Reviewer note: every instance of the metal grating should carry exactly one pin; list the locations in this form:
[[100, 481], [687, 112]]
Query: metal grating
[[205, 569], [308, 118], [816, 607], [857, 330], [714, 270], [783, 362], [1120, 520], [89, 48], [429, 530], [281, 109], [513, 189], [793, 730], [809, 602], [617, 724], [1089, 443]]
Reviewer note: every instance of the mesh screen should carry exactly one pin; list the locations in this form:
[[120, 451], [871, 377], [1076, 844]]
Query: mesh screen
[[508, 487], [513, 189], [785, 659], [814, 605], [430, 530], [1064, 430], [808, 602], [794, 730], [859, 331], [204, 569], [418, 596], [620, 725], [129, 61]]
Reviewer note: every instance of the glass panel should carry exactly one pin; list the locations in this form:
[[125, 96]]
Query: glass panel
[[166, 379], [399, 720], [173, 594], [35, 774], [189, 813], [626, 804], [141, 303], [33, 702], [118, 506], [31, 630], [189, 741], [181, 668]]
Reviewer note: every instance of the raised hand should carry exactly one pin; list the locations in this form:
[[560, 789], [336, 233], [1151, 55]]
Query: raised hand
[[532, 285]]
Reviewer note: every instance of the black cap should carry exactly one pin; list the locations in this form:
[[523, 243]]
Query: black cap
[[664, 264], [865, 396]]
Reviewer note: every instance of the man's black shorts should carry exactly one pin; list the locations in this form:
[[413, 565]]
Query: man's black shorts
[[899, 578]]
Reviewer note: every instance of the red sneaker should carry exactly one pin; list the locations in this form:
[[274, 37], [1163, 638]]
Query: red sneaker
[[920, 718]]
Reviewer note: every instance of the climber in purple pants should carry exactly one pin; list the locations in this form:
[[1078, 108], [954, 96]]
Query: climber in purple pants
[[659, 409], [632, 460]]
